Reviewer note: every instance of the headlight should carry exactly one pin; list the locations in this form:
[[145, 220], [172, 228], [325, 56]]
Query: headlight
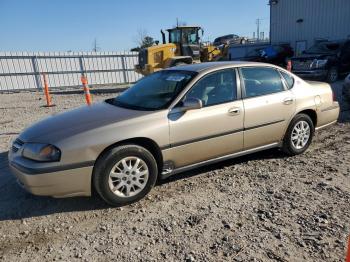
[[41, 152], [318, 63]]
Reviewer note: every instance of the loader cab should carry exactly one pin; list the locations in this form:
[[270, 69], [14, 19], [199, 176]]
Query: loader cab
[[187, 40]]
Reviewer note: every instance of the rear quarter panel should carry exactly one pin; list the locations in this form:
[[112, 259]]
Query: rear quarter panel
[[304, 96], [321, 96]]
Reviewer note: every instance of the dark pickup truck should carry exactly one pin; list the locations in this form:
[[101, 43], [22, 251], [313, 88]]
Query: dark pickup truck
[[276, 54], [325, 60]]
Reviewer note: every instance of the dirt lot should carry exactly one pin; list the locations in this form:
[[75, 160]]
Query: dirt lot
[[263, 207]]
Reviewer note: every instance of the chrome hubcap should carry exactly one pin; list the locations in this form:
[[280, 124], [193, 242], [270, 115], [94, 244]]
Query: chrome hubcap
[[128, 177], [300, 134]]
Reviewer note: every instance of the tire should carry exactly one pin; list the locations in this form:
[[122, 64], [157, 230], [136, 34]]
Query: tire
[[292, 146], [332, 75], [133, 183]]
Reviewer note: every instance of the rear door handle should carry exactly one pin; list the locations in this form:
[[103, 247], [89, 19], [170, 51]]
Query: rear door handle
[[288, 100], [234, 111]]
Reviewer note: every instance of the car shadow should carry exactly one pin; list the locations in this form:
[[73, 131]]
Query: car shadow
[[266, 154], [77, 91], [16, 203], [344, 115]]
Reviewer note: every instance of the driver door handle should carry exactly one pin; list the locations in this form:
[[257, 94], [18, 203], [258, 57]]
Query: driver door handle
[[233, 111], [288, 100]]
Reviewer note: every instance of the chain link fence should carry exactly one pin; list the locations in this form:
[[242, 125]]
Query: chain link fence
[[23, 70]]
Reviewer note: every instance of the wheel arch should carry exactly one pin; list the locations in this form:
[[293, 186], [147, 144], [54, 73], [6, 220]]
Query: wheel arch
[[311, 113], [145, 142]]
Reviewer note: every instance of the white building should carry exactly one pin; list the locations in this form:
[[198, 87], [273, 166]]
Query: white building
[[302, 22]]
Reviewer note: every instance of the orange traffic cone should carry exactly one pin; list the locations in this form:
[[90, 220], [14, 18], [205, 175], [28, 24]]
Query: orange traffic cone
[[86, 90], [47, 92]]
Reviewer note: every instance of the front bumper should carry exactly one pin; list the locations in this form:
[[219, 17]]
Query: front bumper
[[59, 183], [311, 74]]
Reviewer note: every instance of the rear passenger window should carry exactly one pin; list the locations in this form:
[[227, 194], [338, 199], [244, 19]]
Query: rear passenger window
[[289, 79], [259, 81]]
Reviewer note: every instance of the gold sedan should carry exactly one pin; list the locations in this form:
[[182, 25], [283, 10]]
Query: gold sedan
[[168, 122]]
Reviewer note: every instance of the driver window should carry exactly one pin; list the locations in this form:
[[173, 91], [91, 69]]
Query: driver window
[[215, 88]]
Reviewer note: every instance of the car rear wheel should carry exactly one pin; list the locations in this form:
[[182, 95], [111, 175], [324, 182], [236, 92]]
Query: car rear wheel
[[125, 174], [299, 135], [332, 75]]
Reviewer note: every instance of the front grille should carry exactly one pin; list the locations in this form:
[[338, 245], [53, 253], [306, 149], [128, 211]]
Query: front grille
[[302, 65], [17, 145]]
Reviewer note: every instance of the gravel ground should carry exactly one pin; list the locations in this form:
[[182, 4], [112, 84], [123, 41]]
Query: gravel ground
[[262, 207]]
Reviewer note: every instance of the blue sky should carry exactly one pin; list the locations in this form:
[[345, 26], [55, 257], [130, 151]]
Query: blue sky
[[62, 25]]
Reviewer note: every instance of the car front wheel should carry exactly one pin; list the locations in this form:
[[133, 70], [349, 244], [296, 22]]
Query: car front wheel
[[299, 135], [125, 174]]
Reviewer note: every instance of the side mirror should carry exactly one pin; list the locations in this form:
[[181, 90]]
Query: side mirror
[[190, 104]]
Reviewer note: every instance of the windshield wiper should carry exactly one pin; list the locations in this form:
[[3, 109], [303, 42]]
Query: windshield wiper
[[115, 102]]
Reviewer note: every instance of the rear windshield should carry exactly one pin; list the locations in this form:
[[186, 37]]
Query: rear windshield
[[224, 38], [324, 47]]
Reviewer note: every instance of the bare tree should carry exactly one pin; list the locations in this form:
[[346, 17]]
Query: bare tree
[[142, 40], [141, 34], [95, 47]]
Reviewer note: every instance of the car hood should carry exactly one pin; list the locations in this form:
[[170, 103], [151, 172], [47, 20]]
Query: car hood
[[78, 120], [311, 57]]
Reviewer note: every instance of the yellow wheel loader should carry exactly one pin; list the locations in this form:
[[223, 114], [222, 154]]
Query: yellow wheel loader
[[183, 47]]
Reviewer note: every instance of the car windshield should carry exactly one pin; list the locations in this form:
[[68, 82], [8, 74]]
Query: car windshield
[[155, 91], [323, 47]]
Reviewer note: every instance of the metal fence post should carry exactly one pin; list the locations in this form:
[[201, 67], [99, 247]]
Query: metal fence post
[[82, 67], [36, 73], [124, 69]]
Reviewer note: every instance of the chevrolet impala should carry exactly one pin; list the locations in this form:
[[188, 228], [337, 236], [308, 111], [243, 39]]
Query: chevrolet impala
[[169, 122]]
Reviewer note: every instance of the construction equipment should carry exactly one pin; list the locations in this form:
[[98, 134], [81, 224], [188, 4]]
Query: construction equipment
[[183, 47]]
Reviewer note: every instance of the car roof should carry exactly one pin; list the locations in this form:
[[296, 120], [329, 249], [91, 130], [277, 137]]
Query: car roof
[[207, 66], [225, 36], [340, 42]]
